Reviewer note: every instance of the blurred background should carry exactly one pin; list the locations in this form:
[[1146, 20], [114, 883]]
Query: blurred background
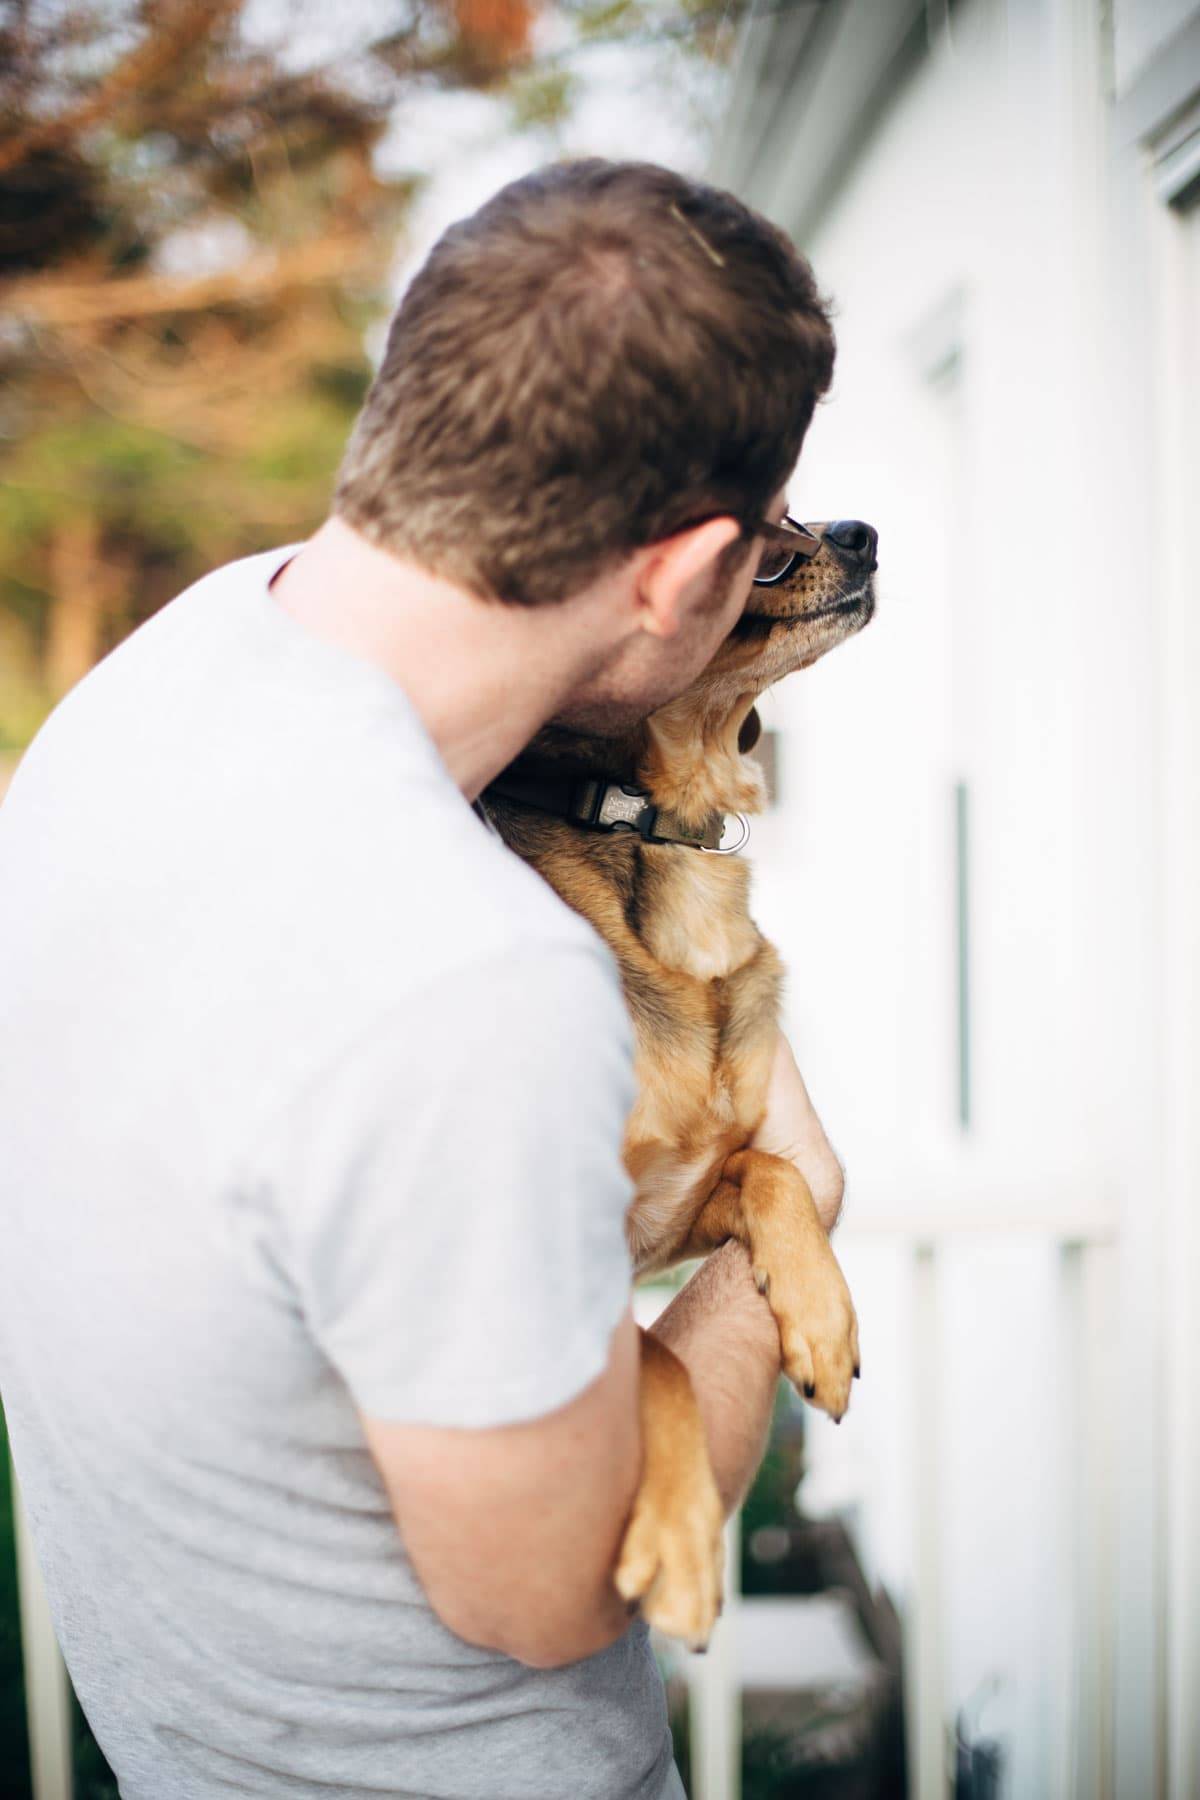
[[982, 860]]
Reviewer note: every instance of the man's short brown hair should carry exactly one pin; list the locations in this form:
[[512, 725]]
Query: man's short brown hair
[[602, 354]]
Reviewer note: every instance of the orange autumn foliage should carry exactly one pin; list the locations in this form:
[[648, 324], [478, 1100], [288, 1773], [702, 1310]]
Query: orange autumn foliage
[[498, 28]]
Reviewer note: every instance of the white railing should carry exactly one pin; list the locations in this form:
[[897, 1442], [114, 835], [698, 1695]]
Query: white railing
[[1080, 1222], [1085, 1283]]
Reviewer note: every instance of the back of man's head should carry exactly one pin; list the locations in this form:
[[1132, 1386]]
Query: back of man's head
[[601, 355]]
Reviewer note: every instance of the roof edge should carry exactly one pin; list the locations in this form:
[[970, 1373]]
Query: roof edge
[[847, 61]]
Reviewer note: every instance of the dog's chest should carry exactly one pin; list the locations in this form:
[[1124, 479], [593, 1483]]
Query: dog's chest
[[705, 1014], [702, 987], [694, 916]]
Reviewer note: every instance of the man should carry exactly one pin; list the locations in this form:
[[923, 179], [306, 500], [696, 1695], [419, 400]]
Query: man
[[312, 1096]]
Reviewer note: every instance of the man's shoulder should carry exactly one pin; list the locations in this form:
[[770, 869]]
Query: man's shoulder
[[411, 920], [471, 904], [508, 1009]]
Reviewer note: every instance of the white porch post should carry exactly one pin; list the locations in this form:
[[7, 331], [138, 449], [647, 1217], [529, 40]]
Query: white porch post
[[47, 1688], [923, 1699]]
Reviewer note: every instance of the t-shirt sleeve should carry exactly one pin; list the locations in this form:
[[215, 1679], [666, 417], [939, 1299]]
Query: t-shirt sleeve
[[451, 1196]]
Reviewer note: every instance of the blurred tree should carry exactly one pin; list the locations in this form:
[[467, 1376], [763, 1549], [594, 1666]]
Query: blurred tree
[[191, 242]]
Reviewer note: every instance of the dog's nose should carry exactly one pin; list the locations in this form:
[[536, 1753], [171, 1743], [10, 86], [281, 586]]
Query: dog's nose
[[854, 539]]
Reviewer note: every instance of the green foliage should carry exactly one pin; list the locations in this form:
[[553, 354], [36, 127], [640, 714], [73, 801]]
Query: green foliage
[[192, 239], [94, 1780], [169, 510], [541, 98], [772, 1499], [766, 1766], [608, 16]]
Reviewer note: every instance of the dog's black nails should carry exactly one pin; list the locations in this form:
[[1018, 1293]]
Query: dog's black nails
[[810, 1388], [857, 1372]]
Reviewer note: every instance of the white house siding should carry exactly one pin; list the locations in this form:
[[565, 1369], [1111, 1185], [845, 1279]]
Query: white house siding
[[1176, 471], [1141, 30], [1008, 411]]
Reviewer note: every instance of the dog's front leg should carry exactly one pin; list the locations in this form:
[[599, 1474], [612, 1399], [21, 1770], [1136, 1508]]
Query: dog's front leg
[[765, 1202], [672, 1553]]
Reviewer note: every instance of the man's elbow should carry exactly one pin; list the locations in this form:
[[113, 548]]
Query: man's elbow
[[571, 1640], [573, 1643], [539, 1638]]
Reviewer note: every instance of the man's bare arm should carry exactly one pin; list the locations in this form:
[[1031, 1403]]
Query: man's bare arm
[[723, 1332], [514, 1532], [792, 1130]]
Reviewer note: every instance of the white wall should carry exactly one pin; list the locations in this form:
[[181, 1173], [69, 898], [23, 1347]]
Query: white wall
[[1141, 29], [1177, 336], [1014, 649]]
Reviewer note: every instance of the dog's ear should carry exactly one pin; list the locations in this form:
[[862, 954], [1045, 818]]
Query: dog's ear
[[751, 731]]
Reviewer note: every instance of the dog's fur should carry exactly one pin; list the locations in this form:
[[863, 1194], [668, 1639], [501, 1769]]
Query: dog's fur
[[703, 987]]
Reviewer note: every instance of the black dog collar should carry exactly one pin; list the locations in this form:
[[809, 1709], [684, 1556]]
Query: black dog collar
[[599, 803]]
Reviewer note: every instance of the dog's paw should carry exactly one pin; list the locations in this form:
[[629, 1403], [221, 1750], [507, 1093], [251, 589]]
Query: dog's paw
[[672, 1558], [796, 1269], [818, 1329]]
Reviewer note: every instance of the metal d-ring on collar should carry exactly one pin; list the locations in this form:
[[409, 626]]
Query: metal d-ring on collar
[[730, 849]]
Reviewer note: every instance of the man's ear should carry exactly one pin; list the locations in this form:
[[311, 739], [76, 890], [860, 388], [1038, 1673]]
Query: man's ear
[[675, 569]]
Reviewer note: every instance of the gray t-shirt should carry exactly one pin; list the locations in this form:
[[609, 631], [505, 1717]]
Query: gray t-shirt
[[311, 1094]]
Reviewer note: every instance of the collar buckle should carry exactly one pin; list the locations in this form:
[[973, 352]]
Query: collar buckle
[[620, 805]]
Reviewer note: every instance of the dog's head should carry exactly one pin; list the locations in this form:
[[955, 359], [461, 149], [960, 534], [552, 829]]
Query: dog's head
[[695, 754], [691, 755], [789, 624]]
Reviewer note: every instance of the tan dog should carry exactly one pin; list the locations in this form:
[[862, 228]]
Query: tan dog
[[703, 987]]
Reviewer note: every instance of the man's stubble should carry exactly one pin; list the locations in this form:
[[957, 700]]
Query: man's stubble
[[616, 699]]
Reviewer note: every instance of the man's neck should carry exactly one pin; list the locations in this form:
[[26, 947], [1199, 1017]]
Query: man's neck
[[483, 676]]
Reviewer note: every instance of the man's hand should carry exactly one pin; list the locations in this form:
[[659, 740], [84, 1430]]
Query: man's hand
[[724, 1334], [710, 1365], [792, 1130]]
